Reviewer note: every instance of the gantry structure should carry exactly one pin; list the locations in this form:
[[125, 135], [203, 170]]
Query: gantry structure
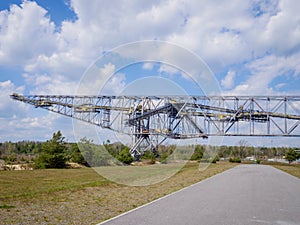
[[150, 120]]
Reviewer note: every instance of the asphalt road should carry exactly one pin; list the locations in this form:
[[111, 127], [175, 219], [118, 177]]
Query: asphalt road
[[246, 194]]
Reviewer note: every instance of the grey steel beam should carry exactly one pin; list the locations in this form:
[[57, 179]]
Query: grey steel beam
[[178, 117]]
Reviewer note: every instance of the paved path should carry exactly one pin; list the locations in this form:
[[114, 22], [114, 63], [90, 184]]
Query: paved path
[[246, 194]]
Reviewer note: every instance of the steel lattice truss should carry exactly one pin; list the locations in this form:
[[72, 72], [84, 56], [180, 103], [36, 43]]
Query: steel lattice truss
[[178, 117]]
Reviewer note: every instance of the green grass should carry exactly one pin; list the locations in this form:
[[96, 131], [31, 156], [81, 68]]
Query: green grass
[[30, 183], [7, 206], [140, 175]]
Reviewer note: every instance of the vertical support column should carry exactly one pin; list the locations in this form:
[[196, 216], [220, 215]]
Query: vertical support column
[[268, 116], [106, 118], [251, 121], [285, 119]]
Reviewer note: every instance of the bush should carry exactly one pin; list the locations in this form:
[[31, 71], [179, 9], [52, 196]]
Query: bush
[[150, 156], [92, 155], [291, 155], [76, 155], [214, 160], [125, 157], [198, 153], [204, 161], [164, 158], [45, 161], [235, 160]]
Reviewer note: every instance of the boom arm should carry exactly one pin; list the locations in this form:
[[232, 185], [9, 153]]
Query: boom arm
[[178, 117]]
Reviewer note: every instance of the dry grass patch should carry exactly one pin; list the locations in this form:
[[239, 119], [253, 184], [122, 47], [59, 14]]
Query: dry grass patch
[[293, 169]]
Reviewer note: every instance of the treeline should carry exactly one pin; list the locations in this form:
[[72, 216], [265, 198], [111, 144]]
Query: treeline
[[20, 152], [56, 152], [242, 152], [21, 147]]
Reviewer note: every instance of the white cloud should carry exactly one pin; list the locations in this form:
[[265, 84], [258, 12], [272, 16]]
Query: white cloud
[[31, 127], [115, 85], [95, 79], [19, 121], [221, 33], [228, 80], [283, 29], [7, 106], [55, 84], [264, 71], [280, 85], [262, 36], [167, 69], [215, 30], [25, 33], [148, 66]]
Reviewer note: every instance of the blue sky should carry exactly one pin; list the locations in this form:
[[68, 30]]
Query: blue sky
[[252, 48]]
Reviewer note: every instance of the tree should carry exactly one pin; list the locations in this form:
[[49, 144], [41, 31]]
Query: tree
[[198, 153], [94, 155], [53, 153], [76, 155], [124, 156], [291, 155], [242, 149], [150, 155], [86, 148]]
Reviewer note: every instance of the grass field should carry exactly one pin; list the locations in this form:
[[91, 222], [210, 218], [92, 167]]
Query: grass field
[[293, 169], [81, 196]]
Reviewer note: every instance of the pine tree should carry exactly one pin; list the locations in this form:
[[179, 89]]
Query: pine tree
[[53, 153]]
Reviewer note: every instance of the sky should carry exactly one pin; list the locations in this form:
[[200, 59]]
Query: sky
[[252, 47]]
